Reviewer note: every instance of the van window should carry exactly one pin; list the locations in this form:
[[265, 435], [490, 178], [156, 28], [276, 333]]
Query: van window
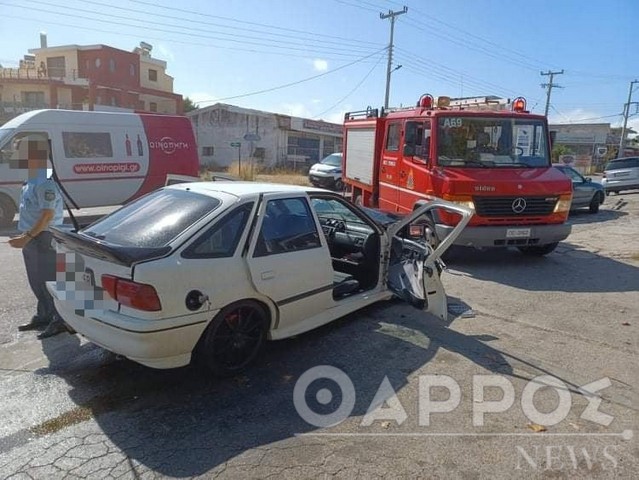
[[87, 144], [623, 163]]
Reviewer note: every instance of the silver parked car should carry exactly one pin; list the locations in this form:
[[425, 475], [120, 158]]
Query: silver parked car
[[621, 174]]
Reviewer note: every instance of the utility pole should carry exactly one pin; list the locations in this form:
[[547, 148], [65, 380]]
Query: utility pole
[[392, 16], [626, 112], [550, 86]]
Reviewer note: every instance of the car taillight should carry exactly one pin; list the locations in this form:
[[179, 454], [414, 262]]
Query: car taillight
[[132, 294]]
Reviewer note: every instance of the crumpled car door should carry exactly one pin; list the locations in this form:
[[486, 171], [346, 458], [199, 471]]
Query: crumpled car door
[[414, 268]]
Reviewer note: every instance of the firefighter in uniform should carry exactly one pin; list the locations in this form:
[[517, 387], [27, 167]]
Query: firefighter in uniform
[[40, 208]]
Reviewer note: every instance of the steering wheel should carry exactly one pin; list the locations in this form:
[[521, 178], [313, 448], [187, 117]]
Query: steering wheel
[[518, 151]]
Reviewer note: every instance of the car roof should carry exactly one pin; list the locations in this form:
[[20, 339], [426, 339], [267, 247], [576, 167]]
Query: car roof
[[242, 189]]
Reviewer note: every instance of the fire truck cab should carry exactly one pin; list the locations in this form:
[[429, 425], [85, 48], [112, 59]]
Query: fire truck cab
[[491, 156]]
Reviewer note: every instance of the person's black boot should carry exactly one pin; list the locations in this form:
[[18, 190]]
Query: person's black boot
[[53, 329], [36, 323]]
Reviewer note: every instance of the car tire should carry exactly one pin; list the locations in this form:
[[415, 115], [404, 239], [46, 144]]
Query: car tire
[[607, 193], [7, 211], [538, 250], [234, 338], [339, 185], [595, 202]]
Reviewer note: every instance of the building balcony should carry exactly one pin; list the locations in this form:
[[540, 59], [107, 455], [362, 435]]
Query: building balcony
[[38, 75]]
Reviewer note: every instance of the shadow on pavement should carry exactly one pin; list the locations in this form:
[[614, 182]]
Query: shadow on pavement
[[606, 214], [182, 422], [554, 272]]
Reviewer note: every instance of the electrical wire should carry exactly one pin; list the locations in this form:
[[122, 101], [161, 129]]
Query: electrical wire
[[321, 50], [339, 102], [279, 87], [234, 20]]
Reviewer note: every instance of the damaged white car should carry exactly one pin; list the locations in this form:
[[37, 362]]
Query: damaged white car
[[210, 271]]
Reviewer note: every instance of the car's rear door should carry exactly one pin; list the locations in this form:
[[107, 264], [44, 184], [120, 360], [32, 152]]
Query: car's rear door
[[288, 258]]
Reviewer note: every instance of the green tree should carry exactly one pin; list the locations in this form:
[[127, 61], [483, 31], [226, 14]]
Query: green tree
[[558, 150], [189, 105]]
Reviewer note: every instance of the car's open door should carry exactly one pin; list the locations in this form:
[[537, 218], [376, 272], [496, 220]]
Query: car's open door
[[414, 267]]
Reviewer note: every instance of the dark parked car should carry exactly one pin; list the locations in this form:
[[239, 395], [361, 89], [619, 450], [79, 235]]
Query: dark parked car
[[586, 193]]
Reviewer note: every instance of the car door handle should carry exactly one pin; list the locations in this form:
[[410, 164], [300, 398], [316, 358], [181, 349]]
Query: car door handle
[[268, 275]]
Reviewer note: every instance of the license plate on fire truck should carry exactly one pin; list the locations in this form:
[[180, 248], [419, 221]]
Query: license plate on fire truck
[[518, 233]]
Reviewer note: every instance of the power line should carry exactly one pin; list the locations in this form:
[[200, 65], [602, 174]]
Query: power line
[[234, 20], [180, 42], [339, 102], [279, 45], [337, 40], [266, 90], [501, 47]]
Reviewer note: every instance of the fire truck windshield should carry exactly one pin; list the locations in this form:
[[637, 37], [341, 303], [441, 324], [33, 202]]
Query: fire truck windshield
[[486, 142]]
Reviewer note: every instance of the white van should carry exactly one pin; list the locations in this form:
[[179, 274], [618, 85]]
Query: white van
[[100, 158]]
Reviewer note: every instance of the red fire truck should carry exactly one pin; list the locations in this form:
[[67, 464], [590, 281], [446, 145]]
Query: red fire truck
[[490, 155]]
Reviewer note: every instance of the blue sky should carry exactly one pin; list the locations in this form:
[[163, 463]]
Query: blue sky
[[217, 50]]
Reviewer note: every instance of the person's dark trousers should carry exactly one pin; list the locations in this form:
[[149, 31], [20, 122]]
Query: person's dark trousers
[[39, 259]]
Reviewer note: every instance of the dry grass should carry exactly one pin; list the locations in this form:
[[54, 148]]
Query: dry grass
[[287, 178], [255, 173]]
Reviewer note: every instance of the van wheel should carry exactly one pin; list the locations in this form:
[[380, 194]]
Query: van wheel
[[7, 211], [234, 338], [538, 250], [595, 202]]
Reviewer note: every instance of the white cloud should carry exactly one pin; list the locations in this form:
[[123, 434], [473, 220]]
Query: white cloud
[[320, 65]]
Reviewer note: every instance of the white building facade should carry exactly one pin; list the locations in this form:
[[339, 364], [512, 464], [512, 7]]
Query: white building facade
[[226, 133]]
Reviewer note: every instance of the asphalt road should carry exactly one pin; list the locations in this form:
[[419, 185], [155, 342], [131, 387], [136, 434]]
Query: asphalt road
[[73, 410]]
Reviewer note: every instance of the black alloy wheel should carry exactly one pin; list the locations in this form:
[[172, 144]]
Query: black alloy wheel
[[234, 338]]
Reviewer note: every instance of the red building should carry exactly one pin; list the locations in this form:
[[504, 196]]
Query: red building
[[88, 77]]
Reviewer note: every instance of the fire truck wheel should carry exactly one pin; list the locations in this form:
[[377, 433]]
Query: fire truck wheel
[[538, 250], [7, 211]]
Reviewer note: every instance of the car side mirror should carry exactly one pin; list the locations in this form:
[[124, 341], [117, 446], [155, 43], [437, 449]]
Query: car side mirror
[[409, 150], [588, 179]]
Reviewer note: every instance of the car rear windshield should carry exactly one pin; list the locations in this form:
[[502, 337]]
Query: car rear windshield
[[623, 163], [154, 220]]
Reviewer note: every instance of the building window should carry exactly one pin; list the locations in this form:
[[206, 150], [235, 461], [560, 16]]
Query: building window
[[32, 99], [56, 67], [98, 62], [207, 151], [111, 65], [153, 107], [86, 145], [153, 75], [132, 70]]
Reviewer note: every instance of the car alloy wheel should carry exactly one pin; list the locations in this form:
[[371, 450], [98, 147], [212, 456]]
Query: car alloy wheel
[[234, 338]]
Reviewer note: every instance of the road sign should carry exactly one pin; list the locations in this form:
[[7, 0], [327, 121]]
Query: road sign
[[236, 144], [252, 137]]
